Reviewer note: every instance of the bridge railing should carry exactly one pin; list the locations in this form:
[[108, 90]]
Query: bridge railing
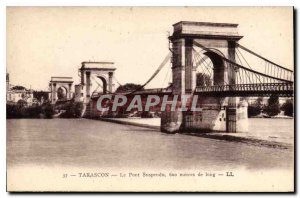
[[247, 87]]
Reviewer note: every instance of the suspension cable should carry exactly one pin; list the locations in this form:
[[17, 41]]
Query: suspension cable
[[255, 54], [203, 61], [117, 81], [99, 85], [240, 66], [166, 77], [155, 73], [246, 62], [207, 67]]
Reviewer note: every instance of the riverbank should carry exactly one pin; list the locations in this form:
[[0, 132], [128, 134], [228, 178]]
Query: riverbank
[[68, 109], [260, 136]]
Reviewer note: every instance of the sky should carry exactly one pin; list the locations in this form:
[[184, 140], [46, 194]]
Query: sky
[[53, 41]]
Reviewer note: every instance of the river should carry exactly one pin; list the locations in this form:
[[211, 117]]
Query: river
[[91, 143]]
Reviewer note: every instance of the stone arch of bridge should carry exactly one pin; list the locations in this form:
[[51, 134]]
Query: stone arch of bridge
[[104, 80], [62, 92], [60, 88], [218, 65]]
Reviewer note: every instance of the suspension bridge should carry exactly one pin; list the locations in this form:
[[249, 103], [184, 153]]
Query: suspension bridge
[[207, 60]]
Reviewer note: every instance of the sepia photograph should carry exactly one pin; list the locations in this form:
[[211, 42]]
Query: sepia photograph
[[150, 99]]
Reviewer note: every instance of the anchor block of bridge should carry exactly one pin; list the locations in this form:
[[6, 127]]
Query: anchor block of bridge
[[218, 113]]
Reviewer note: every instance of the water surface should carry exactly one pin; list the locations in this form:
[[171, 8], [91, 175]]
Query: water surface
[[91, 143]]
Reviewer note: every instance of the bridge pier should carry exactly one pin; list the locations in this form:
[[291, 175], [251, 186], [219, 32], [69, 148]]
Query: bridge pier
[[171, 121], [219, 113], [216, 116], [242, 117]]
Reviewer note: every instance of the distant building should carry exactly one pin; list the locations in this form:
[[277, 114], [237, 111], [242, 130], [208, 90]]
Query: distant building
[[17, 93], [7, 82]]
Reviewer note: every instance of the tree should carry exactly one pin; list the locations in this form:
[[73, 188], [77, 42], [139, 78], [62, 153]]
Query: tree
[[255, 108], [129, 87], [41, 94], [72, 109], [32, 112], [21, 103], [12, 111], [18, 87], [273, 107], [48, 110], [288, 107], [259, 101], [203, 79]]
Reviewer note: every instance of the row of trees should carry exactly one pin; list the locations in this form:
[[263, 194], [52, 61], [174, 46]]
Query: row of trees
[[41, 95], [129, 87], [69, 109], [288, 107], [42, 109], [21, 110], [72, 109], [272, 108]]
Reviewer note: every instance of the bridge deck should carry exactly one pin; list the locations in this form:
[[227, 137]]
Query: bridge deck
[[263, 89], [238, 90]]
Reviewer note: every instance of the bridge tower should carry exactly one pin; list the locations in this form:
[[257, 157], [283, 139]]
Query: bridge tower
[[214, 40], [90, 72], [60, 89]]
